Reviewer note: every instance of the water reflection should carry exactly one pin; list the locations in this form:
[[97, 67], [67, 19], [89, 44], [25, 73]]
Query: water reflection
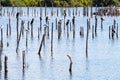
[[6, 75], [23, 73], [87, 64], [87, 73]]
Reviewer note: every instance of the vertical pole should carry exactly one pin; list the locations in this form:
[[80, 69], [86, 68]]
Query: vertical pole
[[1, 37], [38, 33], [5, 66], [7, 31], [87, 39], [70, 67], [59, 29], [32, 27], [17, 16], [56, 23], [43, 38], [23, 59], [95, 25], [109, 32], [117, 31], [40, 23], [93, 31], [9, 25], [52, 40], [26, 38]]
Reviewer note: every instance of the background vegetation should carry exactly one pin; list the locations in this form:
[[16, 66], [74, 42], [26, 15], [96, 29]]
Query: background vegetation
[[60, 2]]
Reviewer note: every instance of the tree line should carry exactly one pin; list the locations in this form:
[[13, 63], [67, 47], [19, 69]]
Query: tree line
[[59, 3]]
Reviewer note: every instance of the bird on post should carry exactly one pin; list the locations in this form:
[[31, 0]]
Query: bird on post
[[67, 22], [17, 15], [32, 21]]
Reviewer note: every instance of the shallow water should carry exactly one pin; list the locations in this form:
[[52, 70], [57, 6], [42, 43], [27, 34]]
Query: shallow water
[[103, 53]]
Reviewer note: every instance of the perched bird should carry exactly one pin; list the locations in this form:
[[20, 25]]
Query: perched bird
[[67, 22], [17, 15], [102, 19], [32, 21]]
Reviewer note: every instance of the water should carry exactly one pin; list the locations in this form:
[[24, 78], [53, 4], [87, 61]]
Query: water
[[103, 53]]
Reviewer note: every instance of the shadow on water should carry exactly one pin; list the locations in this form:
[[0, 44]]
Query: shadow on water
[[87, 64], [23, 73], [87, 73], [70, 75]]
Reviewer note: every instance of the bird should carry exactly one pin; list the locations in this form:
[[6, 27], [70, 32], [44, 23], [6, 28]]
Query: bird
[[67, 22], [32, 21], [17, 15]]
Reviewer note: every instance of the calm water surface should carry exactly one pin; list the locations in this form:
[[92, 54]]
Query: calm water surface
[[103, 61]]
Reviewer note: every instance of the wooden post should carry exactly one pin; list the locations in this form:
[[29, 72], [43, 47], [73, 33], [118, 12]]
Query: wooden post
[[59, 29], [5, 66], [67, 28], [38, 33], [26, 38], [48, 30], [87, 11], [28, 25], [46, 19], [87, 39], [40, 23], [73, 22], [22, 24], [93, 31], [43, 38], [1, 38], [109, 32], [52, 10], [70, 27], [84, 13], [23, 60], [52, 40], [113, 31], [102, 23], [95, 25], [18, 41], [7, 31], [32, 27], [117, 31], [17, 16], [64, 18], [9, 25], [56, 23], [70, 67], [81, 31]]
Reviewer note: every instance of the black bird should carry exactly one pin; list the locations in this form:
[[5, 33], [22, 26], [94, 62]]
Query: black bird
[[46, 19], [102, 19], [40, 18], [32, 21], [17, 15], [67, 22]]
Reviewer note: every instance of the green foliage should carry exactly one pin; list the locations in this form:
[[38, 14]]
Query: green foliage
[[103, 2], [60, 2]]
